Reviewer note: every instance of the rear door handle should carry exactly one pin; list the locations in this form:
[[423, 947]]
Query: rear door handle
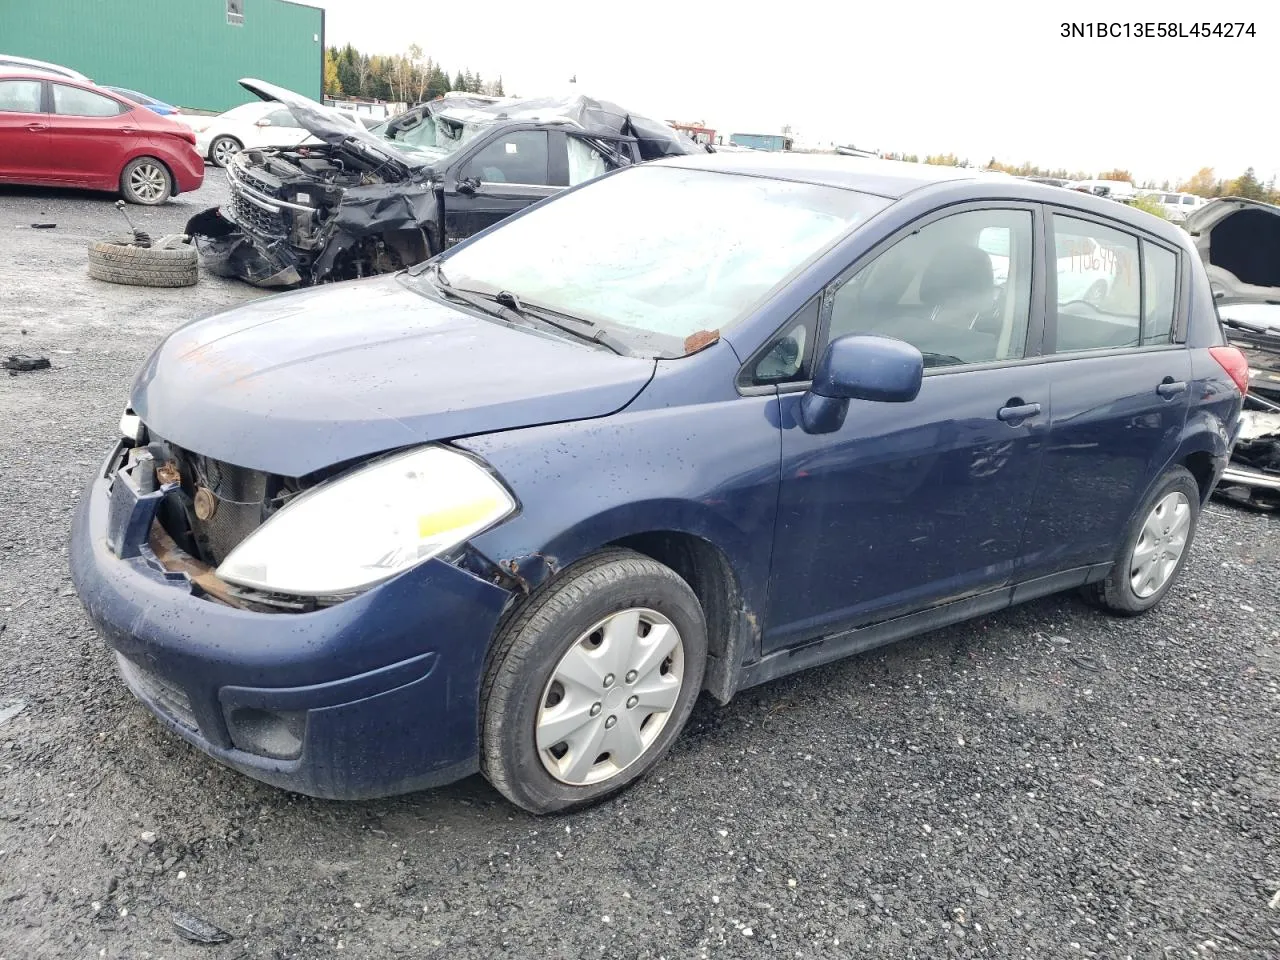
[[37, 127], [128, 129], [1170, 387], [1016, 411]]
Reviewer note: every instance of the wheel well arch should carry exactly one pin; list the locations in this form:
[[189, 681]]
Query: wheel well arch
[[707, 570], [1203, 467]]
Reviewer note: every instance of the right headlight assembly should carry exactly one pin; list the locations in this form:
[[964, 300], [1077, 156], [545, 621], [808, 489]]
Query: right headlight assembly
[[368, 525]]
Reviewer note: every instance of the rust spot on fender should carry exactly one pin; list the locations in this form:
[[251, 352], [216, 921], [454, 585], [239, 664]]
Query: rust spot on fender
[[700, 340]]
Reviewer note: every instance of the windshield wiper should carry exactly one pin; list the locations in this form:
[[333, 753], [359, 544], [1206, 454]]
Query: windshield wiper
[[517, 313], [564, 322], [485, 304]]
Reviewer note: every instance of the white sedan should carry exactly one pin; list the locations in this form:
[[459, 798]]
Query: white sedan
[[250, 125]]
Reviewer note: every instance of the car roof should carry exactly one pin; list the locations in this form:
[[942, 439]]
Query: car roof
[[895, 179], [16, 62], [892, 179]]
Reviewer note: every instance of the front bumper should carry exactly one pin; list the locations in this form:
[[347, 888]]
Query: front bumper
[[372, 697]]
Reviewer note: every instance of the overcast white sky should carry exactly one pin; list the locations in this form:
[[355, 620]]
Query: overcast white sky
[[980, 79]]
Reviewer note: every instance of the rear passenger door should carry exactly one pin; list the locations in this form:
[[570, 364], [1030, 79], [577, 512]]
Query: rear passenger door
[[1119, 380], [502, 176]]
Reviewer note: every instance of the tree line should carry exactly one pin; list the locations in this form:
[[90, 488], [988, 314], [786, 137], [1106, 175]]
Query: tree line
[[410, 77], [1204, 182]]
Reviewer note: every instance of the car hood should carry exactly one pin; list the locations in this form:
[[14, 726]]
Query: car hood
[[1239, 242], [324, 124], [300, 381]]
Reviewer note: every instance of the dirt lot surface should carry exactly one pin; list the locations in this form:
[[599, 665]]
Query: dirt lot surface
[[1044, 783]]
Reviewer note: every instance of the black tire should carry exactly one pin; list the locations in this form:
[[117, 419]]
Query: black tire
[[146, 181], [1115, 594], [530, 645], [117, 261], [214, 151]]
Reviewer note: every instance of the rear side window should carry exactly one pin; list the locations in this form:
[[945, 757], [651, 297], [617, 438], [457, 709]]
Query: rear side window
[[1097, 282], [20, 96], [282, 118], [585, 161], [519, 157], [74, 102], [1159, 289]]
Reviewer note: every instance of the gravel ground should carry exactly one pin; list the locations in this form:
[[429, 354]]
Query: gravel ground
[[1047, 782]]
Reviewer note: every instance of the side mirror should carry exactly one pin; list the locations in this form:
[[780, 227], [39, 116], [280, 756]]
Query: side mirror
[[860, 368], [264, 122]]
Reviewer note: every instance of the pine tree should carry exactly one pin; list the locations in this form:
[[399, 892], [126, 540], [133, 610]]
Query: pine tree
[[497, 90], [459, 83]]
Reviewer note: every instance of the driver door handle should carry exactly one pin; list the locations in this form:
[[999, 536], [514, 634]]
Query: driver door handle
[[1016, 411], [1170, 387], [37, 127]]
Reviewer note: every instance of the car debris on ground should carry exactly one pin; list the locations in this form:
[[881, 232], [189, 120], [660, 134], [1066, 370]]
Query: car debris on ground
[[192, 928], [362, 202], [22, 363]]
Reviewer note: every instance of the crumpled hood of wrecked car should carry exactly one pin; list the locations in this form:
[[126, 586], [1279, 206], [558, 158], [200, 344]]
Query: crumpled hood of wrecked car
[[299, 381]]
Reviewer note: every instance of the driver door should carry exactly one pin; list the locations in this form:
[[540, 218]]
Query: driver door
[[907, 505], [502, 176]]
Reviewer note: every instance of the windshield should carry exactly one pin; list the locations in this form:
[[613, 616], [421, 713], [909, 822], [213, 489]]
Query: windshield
[[661, 250], [434, 136]]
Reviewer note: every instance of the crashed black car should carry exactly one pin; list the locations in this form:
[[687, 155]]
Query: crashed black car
[[365, 202], [1239, 242]]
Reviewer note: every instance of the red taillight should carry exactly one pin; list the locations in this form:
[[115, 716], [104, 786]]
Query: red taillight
[[1233, 360]]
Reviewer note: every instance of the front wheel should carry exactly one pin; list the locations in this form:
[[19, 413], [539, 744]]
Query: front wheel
[[1155, 548], [590, 683]]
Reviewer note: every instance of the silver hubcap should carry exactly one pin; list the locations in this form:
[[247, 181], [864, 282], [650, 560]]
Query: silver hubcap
[[147, 182], [223, 151], [610, 696], [1160, 545]]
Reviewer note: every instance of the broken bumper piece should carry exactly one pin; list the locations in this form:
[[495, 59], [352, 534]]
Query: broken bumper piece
[[227, 251], [365, 698]]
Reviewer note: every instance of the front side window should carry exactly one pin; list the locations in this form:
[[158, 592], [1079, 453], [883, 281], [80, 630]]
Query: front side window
[[519, 157], [20, 96], [1098, 295], [957, 289], [75, 102], [660, 253]]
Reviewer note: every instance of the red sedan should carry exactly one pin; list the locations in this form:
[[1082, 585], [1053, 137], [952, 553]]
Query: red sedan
[[58, 132]]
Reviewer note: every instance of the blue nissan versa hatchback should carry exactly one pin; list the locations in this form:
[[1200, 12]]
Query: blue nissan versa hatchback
[[689, 426]]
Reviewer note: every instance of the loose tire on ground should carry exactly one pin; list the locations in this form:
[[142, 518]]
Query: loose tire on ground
[[533, 644], [170, 263], [1178, 495]]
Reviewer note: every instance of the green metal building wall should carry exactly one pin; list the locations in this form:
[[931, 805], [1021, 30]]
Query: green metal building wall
[[181, 51]]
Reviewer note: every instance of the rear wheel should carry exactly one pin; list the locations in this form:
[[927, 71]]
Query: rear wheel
[[146, 181], [223, 149], [590, 682], [1155, 548]]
